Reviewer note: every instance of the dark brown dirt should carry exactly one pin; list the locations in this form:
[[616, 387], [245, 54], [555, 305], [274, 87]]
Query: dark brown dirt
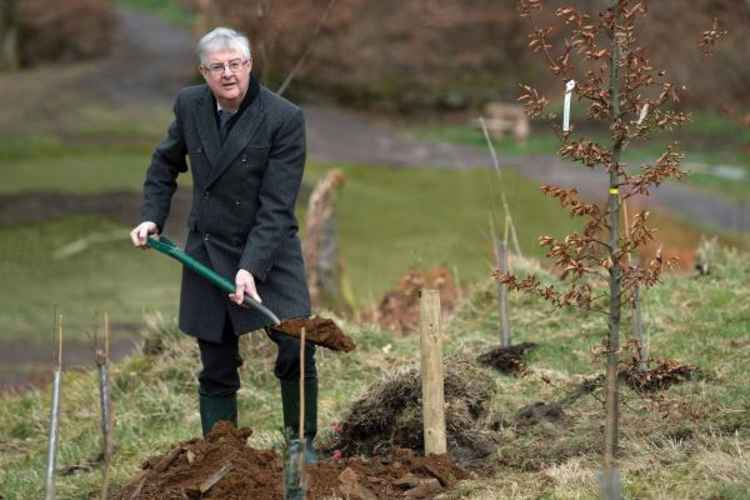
[[321, 331], [554, 412], [540, 412], [664, 374], [186, 470], [223, 467], [399, 309], [508, 360], [400, 475]]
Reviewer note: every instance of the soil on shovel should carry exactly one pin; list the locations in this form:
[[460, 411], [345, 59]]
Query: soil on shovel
[[509, 360], [321, 331], [223, 467]]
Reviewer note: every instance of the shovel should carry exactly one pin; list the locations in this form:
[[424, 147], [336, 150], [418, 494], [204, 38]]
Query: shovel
[[167, 247]]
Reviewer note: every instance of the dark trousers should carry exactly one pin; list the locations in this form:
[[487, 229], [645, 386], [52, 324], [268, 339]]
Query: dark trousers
[[221, 361]]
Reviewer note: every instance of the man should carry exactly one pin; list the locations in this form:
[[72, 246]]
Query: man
[[247, 153]]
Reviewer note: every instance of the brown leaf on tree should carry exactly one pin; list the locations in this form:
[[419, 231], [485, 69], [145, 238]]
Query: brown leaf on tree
[[711, 37], [533, 101], [526, 7]]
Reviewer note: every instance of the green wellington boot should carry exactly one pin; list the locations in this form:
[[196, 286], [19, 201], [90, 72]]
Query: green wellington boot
[[290, 407], [215, 408]]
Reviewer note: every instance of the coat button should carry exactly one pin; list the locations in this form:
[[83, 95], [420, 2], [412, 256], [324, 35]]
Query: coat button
[[244, 159], [237, 203], [206, 237]]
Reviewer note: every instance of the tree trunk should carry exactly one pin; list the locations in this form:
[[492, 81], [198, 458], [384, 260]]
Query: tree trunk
[[8, 35], [615, 278]]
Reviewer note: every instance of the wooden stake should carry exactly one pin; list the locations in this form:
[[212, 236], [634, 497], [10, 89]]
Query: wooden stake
[[59, 342], [301, 474], [54, 415], [433, 392], [302, 385], [457, 280], [502, 257]]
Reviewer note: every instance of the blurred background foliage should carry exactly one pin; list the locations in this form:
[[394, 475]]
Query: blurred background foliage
[[403, 55]]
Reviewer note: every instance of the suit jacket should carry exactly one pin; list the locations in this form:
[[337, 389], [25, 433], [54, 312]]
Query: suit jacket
[[242, 217]]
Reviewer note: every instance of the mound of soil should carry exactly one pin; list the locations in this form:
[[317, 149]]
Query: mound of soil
[[389, 415], [665, 373], [540, 412], [321, 331], [223, 467], [509, 360], [399, 309], [402, 474]]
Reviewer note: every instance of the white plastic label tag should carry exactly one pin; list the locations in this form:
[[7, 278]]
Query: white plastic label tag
[[568, 97], [644, 113]]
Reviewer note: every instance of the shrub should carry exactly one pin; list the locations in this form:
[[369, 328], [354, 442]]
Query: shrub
[[64, 30]]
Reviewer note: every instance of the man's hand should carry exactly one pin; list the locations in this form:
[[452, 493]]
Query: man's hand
[[139, 235], [245, 285]]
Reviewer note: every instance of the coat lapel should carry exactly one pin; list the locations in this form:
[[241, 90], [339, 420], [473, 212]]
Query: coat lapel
[[207, 130], [240, 135]]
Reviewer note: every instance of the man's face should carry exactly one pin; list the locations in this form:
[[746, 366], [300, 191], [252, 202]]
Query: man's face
[[227, 73]]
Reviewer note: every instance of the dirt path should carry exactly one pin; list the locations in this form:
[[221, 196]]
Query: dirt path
[[150, 61], [341, 136], [24, 365]]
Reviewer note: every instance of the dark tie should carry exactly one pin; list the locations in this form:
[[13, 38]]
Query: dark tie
[[224, 117]]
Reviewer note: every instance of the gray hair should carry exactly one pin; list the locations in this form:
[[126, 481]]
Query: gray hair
[[222, 39]]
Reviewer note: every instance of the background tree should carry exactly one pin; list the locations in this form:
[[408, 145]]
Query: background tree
[[8, 35], [63, 31], [459, 54], [621, 88]]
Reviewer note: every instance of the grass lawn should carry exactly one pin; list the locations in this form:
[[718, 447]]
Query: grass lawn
[[710, 142], [389, 219], [108, 276], [689, 442]]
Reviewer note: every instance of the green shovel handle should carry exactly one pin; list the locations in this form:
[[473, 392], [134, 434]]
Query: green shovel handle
[[167, 247]]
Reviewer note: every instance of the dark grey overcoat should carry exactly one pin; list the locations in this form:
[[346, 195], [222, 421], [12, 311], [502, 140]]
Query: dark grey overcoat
[[242, 217]]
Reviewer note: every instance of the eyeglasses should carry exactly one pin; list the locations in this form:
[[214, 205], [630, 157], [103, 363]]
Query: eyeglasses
[[217, 69]]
